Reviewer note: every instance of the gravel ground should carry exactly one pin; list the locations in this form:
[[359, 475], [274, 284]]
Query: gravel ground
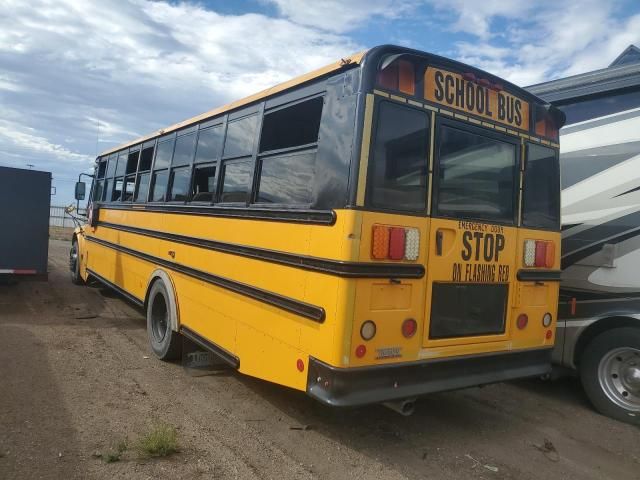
[[77, 378]]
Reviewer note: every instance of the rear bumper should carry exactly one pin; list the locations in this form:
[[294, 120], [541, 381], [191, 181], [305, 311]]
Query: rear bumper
[[381, 383]]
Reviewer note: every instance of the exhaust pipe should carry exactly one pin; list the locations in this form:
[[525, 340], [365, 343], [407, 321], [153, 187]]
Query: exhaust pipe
[[404, 407]]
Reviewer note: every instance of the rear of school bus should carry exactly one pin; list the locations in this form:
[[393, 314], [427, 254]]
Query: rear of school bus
[[455, 188]]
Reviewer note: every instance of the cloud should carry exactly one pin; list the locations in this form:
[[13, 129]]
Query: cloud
[[73, 71], [542, 40], [340, 15]]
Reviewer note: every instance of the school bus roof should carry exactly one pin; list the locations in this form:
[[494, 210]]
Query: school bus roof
[[350, 60]]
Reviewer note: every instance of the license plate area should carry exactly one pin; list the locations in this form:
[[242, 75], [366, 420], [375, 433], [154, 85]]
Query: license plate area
[[461, 310]]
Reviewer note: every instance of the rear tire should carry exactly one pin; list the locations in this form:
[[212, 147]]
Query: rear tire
[[610, 373], [74, 264], [165, 343]]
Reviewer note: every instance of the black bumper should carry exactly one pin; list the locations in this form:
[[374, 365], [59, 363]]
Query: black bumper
[[381, 383]]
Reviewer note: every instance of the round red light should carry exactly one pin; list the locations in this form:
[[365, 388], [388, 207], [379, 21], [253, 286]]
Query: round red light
[[300, 365], [522, 321], [549, 334], [409, 327], [361, 350]]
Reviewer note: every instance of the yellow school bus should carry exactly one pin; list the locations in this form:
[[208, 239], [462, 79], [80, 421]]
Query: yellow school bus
[[376, 230]]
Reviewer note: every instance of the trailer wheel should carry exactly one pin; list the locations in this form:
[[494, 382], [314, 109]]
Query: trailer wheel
[[165, 342], [74, 264], [610, 373]]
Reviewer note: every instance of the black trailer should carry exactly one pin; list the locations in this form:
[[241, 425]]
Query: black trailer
[[25, 198]]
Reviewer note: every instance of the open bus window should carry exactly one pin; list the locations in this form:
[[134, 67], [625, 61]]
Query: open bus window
[[398, 176], [475, 177], [541, 194], [146, 157], [204, 183], [142, 187], [116, 194], [102, 168], [132, 162], [292, 126], [179, 184], [235, 185], [287, 179], [159, 186]]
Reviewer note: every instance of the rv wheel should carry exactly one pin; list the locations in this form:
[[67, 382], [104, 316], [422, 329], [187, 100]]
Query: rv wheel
[[610, 373]]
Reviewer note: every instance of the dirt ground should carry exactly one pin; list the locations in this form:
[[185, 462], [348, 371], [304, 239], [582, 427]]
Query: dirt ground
[[77, 377]]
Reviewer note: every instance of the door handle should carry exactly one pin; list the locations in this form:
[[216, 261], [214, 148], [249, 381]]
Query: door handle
[[439, 238]]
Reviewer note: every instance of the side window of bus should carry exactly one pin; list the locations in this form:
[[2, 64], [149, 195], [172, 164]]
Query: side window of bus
[[236, 172], [179, 179], [97, 191], [130, 179], [144, 172], [100, 172], [206, 162], [398, 176], [164, 152], [288, 145], [116, 194]]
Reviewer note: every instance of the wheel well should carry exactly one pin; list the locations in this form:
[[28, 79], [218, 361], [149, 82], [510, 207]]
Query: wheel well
[[601, 326], [160, 275]]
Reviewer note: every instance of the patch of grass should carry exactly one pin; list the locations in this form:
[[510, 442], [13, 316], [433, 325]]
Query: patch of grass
[[162, 441], [115, 455]]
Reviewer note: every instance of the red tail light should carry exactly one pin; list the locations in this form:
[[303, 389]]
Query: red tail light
[[539, 253], [409, 327], [522, 321], [361, 350], [396, 243]]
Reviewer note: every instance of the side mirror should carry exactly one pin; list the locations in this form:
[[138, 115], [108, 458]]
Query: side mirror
[[80, 190]]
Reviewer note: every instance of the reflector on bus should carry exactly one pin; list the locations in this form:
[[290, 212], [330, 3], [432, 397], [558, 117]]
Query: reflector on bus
[[397, 74]]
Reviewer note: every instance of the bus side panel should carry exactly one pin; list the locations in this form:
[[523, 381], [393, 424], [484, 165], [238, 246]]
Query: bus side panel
[[237, 323]]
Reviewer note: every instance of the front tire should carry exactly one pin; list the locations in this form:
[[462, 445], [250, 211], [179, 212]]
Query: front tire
[[610, 373], [165, 343], [74, 264]]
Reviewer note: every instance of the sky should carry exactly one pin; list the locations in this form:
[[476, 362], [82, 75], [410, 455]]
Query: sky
[[78, 77]]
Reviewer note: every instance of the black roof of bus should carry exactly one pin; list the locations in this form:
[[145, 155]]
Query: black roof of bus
[[368, 60]]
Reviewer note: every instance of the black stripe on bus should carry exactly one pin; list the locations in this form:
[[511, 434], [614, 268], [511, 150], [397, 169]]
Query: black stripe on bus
[[314, 217], [225, 355], [312, 312], [112, 285], [332, 267], [538, 275]]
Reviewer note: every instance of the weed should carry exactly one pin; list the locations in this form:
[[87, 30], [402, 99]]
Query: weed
[[162, 441], [115, 455]]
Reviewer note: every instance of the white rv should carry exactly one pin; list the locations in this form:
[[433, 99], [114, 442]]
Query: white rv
[[599, 314]]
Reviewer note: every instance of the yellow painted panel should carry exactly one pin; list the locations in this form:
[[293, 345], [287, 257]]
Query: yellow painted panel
[[385, 296], [450, 89]]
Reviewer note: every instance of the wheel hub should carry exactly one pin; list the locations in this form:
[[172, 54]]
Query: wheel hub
[[619, 376]]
